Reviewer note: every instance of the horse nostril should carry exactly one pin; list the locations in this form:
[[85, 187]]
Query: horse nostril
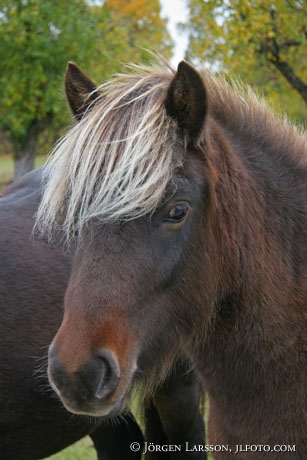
[[57, 374], [109, 373], [79, 388]]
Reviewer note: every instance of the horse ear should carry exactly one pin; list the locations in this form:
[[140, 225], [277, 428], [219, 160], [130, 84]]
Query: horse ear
[[80, 90], [186, 101]]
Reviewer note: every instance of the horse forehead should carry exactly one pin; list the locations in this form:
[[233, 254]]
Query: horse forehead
[[192, 173]]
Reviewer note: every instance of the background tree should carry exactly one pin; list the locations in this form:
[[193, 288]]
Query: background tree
[[38, 37], [35, 39], [140, 25], [262, 41]]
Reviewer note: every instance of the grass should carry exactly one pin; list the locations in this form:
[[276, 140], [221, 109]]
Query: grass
[[7, 169], [81, 450]]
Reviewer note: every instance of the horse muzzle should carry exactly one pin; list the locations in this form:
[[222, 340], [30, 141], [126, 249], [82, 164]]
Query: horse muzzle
[[92, 389]]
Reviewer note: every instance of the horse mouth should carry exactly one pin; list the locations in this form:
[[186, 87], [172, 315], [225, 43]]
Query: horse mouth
[[95, 408]]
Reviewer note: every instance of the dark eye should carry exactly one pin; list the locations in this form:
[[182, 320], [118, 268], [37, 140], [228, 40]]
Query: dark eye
[[177, 213]]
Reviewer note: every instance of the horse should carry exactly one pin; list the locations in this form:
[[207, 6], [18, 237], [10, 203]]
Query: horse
[[33, 422], [186, 198]]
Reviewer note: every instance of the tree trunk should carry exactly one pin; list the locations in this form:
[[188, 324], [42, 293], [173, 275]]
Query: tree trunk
[[24, 160], [292, 78], [25, 154]]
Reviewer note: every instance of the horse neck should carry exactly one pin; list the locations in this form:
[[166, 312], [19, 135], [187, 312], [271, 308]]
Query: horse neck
[[260, 223], [259, 317]]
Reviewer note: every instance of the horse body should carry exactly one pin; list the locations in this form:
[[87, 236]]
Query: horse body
[[215, 269]]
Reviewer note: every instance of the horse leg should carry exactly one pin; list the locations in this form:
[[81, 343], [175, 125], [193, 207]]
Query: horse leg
[[154, 432], [118, 439], [175, 419]]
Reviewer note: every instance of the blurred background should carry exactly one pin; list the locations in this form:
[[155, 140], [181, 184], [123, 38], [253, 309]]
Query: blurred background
[[263, 42]]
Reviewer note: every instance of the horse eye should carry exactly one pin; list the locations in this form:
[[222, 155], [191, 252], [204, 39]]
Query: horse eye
[[177, 214]]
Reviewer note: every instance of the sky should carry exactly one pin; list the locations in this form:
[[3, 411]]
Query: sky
[[175, 11]]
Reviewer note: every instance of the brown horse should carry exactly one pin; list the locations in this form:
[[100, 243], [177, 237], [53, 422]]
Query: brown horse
[[187, 200]]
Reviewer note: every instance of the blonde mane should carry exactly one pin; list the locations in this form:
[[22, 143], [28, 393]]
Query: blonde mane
[[116, 162]]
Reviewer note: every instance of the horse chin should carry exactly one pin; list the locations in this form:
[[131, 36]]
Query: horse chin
[[96, 408]]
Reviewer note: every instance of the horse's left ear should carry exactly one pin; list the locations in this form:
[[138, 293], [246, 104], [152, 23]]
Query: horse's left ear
[[186, 101], [80, 90]]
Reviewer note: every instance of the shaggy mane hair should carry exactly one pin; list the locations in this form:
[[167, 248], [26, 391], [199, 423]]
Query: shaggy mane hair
[[116, 162]]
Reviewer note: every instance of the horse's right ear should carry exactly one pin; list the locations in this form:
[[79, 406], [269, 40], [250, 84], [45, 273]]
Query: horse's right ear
[[186, 101], [80, 90]]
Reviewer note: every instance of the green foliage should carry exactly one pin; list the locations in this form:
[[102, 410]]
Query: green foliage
[[38, 37], [132, 29], [141, 25], [251, 38]]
